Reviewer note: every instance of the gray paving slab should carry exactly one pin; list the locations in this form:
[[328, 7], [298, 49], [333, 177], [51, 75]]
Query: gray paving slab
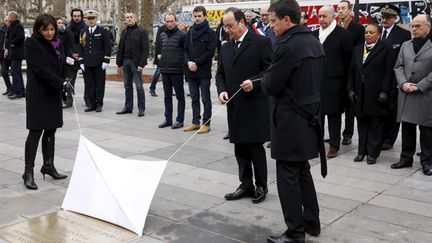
[[358, 202], [396, 217], [381, 230]]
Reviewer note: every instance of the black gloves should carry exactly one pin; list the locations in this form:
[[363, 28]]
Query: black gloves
[[67, 87]]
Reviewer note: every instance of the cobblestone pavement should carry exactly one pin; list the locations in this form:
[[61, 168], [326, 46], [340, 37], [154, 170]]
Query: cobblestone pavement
[[358, 202]]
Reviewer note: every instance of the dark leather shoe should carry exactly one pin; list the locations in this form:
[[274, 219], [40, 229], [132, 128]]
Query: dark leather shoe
[[386, 146], [312, 230], [226, 136], [418, 154], [165, 124], [427, 170], [327, 140], [6, 93], [346, 141], [284, 239], [88, 109], [140, 113], [401, 164], [269, 145], [123, 111], [13, 97], [371, 160], [98, 108], [259, 195], [153, 93], [359, 158], [331, 153], [239, 193], [177, 125]]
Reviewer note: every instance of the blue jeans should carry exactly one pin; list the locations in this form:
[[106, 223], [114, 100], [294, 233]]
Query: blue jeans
[[17, 78], [130, 74], [195, 85], [176, 81], [155, 78]]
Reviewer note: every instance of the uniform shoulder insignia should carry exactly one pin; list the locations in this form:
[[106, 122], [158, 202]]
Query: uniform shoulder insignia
[[404, 26], [83, 38]]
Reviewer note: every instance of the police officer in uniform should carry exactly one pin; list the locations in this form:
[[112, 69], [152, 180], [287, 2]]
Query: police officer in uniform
[[95, 52], [394, 36]]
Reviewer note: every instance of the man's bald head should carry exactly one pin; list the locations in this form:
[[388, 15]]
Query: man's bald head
[[264, 14], [327, 9], [326, 16], [421, 26], [264, 9]]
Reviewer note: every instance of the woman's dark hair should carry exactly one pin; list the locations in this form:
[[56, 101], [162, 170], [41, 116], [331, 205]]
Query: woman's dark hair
[[376, 27], [77, 10], [42, 22], [288, 8]]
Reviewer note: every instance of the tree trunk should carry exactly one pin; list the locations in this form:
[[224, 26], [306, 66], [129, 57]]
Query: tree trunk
[[147, 15]]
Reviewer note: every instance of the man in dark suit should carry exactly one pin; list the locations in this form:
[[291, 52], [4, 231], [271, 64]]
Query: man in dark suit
[[200, 45], [15, 52], [95, 54], [394, 36], [294, 80], [172, 68], [335, 74], [243, 58], [76, 25], [4, 61], [132, 57], [356, 32]]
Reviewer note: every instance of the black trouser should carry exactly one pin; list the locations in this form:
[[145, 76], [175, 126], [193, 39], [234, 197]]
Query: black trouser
[[5, 64], [297, 196], [94, 89], [31, 145], [349, 120], [195, 86], [175, 81], [249, 155], [391, 126], [334, 127], [409, 138], [370, 132]]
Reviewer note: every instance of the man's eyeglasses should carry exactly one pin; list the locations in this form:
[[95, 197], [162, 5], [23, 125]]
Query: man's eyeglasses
[[229, 26]]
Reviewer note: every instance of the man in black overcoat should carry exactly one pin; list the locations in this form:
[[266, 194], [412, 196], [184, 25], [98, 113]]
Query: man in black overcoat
[[4, 61], [394, 36], [294, 81], [356, 32], [247, 56], [335, 74], [15, 43]]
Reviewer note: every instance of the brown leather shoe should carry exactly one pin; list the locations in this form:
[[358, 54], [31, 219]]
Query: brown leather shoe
[[191, 128], [331, 153], [204, 129]]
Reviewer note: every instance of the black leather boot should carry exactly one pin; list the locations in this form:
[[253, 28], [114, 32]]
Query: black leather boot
[[29, 157], [48, 159]]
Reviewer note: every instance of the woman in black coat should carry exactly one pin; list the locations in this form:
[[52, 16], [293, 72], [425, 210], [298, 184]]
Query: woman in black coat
[[369, 84], [45, 81]]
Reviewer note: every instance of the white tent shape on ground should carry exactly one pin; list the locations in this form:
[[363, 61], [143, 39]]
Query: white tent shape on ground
[[111, 188]]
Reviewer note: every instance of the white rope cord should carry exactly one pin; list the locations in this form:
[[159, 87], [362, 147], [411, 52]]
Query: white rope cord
[[190, 138], [195, 133]]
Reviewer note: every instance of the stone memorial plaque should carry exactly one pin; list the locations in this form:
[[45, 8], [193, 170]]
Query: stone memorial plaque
[[65, 227]]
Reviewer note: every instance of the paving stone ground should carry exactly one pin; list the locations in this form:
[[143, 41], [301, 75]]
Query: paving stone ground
[[358, 202]]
